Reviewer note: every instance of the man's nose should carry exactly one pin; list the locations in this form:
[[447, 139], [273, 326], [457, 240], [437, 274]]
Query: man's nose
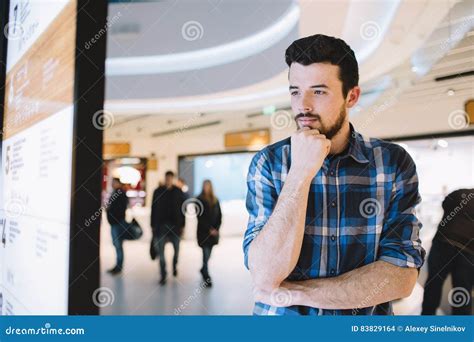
[[306, 105]]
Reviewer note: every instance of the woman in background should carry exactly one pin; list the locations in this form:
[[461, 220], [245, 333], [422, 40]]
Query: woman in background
[[209, 223]]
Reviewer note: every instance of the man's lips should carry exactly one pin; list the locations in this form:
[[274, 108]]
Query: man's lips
[[306, 120]]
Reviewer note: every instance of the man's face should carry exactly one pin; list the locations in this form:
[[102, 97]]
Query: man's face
[[115, 185], [316, 97], [169, 180]]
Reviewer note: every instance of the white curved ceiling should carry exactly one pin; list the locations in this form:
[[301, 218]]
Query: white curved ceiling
[[202, 58], [383, 35], [194, 48]]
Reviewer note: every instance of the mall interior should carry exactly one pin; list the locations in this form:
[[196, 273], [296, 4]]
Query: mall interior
[[213, 91], [199, 87]]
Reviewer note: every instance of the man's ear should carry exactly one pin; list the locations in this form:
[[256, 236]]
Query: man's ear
[[353, 97]]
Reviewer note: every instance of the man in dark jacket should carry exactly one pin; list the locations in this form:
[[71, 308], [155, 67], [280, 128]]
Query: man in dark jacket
[[116, 207], [167, 221], [452, 253]]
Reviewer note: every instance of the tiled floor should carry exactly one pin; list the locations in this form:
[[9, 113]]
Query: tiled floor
[[137, 292]]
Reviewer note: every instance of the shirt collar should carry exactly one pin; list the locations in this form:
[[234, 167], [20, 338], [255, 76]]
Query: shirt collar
[[357, 148]]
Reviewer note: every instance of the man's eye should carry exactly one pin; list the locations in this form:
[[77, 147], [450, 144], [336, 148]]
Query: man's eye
[[319, 92], [294, 93]]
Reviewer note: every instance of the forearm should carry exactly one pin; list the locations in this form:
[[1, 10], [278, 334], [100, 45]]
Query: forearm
[[370, 285], [275, 251]]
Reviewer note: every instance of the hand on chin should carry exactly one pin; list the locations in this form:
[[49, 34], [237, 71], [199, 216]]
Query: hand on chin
[[311, 124]]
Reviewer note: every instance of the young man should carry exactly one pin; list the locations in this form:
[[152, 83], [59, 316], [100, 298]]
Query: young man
[[167, 221], [332, 227], [117, 206]]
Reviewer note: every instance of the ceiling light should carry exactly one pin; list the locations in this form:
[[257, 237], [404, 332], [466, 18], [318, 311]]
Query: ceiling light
[[268, 110], [442, 143]]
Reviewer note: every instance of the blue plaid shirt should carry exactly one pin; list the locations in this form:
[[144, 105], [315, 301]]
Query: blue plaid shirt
[[361, 208]]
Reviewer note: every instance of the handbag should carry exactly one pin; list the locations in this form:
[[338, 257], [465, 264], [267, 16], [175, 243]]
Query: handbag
[[154, 247], [133, 231]]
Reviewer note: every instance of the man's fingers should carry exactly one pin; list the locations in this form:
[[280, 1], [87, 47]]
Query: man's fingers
[[259, 295], [308, 130], [311, 132]]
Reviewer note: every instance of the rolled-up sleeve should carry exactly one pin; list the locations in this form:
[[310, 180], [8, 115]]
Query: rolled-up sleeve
[[261, 199], [399, 242]]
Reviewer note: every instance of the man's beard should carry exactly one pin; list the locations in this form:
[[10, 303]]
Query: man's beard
[[331, 131]]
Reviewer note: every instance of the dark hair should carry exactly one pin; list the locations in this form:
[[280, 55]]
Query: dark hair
[[325, 49], [211, 198], [169, 174], [115, 179]]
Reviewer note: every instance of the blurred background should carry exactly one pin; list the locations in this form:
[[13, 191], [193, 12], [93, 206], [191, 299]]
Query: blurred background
[[197, 87]]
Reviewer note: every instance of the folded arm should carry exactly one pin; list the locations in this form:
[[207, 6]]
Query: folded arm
[[274, 253], [370, 285], [392, 276], [277, 222]]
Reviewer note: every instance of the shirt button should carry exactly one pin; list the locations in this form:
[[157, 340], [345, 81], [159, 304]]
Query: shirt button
[[333, 204], [333, 238], [333, 272], [331, 173]]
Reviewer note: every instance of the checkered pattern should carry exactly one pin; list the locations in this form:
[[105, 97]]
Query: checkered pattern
[[361, 208]]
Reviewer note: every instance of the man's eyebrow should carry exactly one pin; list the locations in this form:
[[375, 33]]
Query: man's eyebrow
[[313, 86]]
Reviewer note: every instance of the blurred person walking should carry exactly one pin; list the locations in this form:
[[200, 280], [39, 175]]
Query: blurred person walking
[[209, 223], [116, 208], [167, 221], [452, 253]]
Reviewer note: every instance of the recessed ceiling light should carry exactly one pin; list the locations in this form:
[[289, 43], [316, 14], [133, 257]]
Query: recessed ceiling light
[[442, 143], [450, 92], [269, 110]]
